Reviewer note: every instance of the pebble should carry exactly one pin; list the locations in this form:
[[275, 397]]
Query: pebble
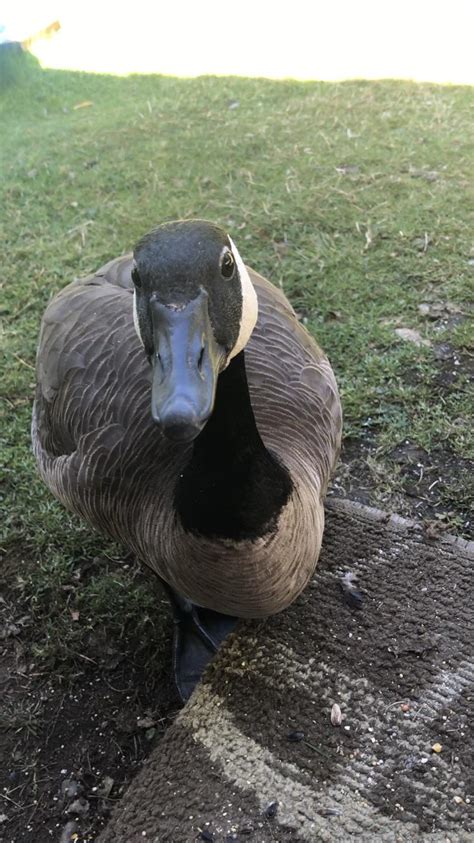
[[79, 806], [336, 715]]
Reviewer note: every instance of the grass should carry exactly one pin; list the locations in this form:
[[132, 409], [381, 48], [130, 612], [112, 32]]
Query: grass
[[353, 197]]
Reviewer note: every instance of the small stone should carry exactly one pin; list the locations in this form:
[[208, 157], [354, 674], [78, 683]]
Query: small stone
[[458, 800], [336, 715], [437, 747], [206, 835], [80, 807], [410, 335], [443, 351]]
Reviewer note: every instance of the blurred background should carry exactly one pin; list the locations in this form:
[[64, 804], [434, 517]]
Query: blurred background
[[423, 40]]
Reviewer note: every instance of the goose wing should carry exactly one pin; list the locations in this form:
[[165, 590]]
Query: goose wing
[[91, 418], [292, 386]]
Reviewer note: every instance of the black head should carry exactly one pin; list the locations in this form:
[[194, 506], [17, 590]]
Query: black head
[[195, 308]]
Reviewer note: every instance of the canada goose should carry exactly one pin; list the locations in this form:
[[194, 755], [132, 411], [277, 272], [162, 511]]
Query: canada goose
[[220, 488]]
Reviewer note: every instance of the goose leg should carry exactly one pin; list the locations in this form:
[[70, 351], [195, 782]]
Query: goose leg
[[198, 634]]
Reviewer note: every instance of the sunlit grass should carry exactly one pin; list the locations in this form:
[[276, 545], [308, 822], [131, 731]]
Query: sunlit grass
[[353, 197]]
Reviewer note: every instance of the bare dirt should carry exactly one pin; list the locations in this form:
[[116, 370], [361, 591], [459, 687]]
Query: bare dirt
[[435, 488], [71, 741]]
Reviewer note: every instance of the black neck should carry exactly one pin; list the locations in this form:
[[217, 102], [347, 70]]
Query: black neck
[[232, 487]]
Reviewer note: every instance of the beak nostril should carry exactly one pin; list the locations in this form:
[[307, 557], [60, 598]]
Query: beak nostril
[[201, 358]]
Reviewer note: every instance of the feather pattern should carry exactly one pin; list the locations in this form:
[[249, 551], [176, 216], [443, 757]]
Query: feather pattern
[[102, 456]]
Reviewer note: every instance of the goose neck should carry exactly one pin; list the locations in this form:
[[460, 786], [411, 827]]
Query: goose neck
[[233, 487]]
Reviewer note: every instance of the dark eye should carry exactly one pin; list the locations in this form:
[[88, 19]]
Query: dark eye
[[227, 265], [136, 278]]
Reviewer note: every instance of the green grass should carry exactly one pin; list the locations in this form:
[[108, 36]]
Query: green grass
[[354, 197]]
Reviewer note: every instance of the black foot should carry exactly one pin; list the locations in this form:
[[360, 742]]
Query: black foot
[[198, 634]]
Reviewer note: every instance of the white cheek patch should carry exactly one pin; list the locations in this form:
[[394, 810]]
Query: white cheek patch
[[249, 315], [135, 318]]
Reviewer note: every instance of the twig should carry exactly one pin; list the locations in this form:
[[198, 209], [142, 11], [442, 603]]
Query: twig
[[55, 720], [16, 804], [315, 749], [23, 362], [392, 705]]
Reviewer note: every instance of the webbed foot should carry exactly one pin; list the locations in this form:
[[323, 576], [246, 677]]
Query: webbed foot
[[198, 634]]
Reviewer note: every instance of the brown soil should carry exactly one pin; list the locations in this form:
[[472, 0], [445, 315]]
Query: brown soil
[[436, 487], [71, 744]]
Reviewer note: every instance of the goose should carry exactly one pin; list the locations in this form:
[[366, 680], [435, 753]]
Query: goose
[[183, 410]]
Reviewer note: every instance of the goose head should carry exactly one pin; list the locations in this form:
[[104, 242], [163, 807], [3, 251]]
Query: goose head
[[194, 310]]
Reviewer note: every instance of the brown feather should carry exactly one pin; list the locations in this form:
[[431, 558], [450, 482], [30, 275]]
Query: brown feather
[[100, 453]]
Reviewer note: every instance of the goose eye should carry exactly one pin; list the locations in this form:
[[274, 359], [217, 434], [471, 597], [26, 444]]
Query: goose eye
[[136, 278], [227, 265]]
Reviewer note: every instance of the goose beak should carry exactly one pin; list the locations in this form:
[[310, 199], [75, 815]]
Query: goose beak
[[186, 363]]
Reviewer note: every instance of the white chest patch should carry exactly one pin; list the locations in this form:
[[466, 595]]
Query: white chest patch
[[135, 318], [249, 315]]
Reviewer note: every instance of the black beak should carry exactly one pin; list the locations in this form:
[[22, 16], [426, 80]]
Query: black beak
[[186, 365]]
